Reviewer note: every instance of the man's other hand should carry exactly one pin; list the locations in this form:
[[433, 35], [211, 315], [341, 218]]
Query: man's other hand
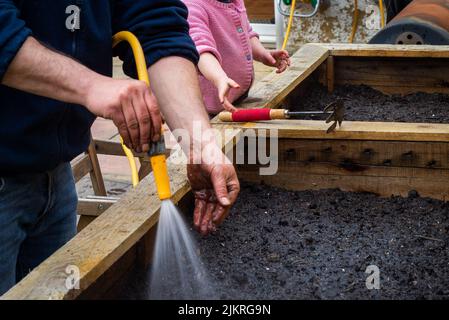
[[216, 188]]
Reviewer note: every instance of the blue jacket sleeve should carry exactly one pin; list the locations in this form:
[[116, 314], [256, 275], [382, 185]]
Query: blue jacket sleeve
[[13, 33], [160, 25]]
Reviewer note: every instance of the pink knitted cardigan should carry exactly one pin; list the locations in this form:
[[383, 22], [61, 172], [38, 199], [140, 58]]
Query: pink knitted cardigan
[[223, 29]]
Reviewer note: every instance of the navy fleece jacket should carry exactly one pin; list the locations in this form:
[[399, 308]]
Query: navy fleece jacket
[[37, 133]]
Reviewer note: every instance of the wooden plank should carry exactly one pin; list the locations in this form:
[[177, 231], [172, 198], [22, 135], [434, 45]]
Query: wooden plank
[[94, 207], [351, 154], [382, 186], [352, 130], [260, 9], [394, 75], [383, 50], [81, 166], [330, 74], [112, 148], [103, 242], [95, 174]]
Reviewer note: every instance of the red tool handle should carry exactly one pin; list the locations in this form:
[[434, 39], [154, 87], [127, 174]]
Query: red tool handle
[[249, 115]]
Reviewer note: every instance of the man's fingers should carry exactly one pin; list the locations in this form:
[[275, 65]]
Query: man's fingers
[[131, 121], [119, 121], [207, 218], [198, 213], [155, 114], [143, 117], [220, 214], [233, 189], [219, 182]]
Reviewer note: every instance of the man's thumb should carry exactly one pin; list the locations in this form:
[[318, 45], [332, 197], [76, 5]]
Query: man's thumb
[[220, 188]]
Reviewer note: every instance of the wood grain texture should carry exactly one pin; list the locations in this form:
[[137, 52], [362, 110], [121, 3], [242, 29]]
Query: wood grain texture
[[353, 130], [260, 9], [350, 154], [394, 75], [383, 50], [81, 166], [381, 181]]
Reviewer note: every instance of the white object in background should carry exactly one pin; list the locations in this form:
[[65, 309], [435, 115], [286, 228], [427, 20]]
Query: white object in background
[[266, 31], [279, 23]]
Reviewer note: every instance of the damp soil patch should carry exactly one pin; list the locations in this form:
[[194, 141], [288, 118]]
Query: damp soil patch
[[364, 103], [280, 244]]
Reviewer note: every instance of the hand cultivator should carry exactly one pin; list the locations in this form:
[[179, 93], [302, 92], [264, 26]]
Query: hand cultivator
[[334, 111]]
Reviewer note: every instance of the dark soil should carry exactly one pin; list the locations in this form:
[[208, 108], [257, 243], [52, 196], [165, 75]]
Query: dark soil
[[366, 104], [280, 244]]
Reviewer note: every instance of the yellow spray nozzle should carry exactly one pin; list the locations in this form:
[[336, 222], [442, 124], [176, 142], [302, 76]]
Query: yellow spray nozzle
[[157, 159], [159, 164]]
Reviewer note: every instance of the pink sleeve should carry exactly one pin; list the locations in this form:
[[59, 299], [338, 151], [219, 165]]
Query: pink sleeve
[[251, 32], [200, 31]]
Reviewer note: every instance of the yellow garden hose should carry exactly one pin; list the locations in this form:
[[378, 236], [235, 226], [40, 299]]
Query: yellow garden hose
[[157, 152], [289, 26], [382, 14], [355, 19]]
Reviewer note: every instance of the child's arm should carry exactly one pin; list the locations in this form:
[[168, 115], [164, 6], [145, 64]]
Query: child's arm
[[272, 58], [212, 71]]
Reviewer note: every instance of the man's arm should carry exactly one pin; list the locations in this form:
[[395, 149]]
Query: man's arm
[[41, 71], [175, 83]]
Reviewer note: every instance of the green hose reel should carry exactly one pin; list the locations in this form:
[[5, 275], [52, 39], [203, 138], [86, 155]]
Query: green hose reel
[[289, 2]]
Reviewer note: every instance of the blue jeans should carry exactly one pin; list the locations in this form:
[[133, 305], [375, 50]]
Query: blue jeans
[[37, 217]]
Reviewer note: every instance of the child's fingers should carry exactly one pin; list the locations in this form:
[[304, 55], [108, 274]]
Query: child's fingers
[[271, 58], [233, 84], [282, 67], [223, 92], [228, 106]]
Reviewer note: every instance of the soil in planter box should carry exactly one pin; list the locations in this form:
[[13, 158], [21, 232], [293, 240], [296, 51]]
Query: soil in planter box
[[279, 244], [366, 104]]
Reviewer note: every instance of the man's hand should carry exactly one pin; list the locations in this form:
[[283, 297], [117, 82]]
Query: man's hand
[[129, 103], [216, 188], [279, 59], [131, 106], [224, 85]]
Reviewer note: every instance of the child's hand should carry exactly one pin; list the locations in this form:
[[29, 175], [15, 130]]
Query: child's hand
[[224, 85], [279, 59]]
